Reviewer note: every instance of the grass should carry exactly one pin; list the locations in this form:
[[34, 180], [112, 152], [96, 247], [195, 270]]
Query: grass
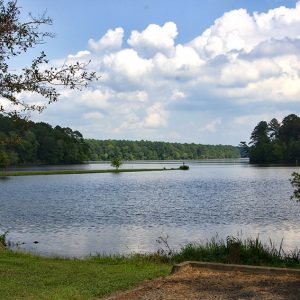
[[25, 276], [237, 251], [64, 172]]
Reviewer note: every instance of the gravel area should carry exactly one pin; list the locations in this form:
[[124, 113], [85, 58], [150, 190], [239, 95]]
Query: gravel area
[[200, 283]]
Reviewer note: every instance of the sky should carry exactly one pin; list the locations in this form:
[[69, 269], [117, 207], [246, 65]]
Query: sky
[[179, 71]]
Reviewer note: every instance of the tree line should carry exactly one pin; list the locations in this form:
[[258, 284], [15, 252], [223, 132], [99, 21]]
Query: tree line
[[147, 150], [26, 142], [275, 142]]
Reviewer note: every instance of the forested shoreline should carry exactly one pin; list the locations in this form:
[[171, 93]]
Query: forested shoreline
[[275, 142], [148, 150], [26, 142]]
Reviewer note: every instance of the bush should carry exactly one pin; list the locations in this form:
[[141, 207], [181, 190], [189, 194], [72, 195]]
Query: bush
[[295, 182], [3, 241], [184, 167]]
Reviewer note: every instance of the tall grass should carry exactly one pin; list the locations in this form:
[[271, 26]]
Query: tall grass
[[234, 250], [3, 240]]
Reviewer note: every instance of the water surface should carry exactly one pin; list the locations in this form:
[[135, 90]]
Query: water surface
[[78, 215]]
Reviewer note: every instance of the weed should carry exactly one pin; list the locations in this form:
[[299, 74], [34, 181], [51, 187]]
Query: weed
[[235, 250], [3, 240]]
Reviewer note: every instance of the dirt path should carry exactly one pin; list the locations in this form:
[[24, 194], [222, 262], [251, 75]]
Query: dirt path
[[201, 283]]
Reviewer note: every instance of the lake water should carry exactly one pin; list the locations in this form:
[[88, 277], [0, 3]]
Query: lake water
[[78, 215]]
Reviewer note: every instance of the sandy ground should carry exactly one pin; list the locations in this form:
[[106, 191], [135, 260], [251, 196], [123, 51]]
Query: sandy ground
[[198, 283]]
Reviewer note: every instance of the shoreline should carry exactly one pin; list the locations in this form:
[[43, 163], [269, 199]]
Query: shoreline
[[102, 275], [68, 172]]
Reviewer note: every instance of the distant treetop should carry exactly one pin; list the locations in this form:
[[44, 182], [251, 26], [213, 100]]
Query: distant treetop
[[276, 142], [148, 150]]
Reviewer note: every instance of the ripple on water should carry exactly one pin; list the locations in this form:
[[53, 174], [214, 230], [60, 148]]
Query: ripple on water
[[81, 214]]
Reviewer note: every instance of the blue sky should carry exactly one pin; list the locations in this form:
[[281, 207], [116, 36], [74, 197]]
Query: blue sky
[[184, 71]]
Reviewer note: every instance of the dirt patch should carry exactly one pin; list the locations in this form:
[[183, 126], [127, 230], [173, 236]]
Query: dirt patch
[[202, 283]]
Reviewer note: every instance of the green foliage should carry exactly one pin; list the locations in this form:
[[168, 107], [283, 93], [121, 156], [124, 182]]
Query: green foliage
[[18, 35], [244, 149], [4, 159], [3, 240], [295, 182], [274, 142], [147, 150], [26, 142], [184, 167], [235, 250], [116, 163]]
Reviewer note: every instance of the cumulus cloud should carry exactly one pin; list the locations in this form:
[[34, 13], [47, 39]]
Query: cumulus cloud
[[177, 94], [154, 39], [241, 62], [79, 54], [94, 115], [212, 126], [254, 119], [156, 116], [127, 64], [237, 30], [96, 99], [111, 41]]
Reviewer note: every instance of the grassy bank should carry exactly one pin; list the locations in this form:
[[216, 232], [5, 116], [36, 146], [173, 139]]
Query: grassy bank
[[237, 251], [24, 276], [63, 172]]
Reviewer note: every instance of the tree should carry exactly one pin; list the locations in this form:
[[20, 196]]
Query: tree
[[295, 182], [244, 149], [16, 38], [290, 129], [276, 142], [116, 163], [260, 134], [273, 129], [259, 152], [4, 159]]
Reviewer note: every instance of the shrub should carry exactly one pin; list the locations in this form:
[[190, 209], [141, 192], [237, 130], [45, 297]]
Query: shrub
[[184, 167]]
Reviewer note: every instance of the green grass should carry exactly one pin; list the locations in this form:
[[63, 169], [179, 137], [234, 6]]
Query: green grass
[[63, 172], [237, 251], [25, 276]]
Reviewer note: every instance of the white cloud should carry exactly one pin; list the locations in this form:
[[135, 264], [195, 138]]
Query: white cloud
[[241, 62], [177, 94], [96, 98], [154, 39], [156, 116], [127, 63], [238, 30], [133, 96], [242, 72], [212, 126], [254, 119], [94, 115], [80, 54], [111, 41]]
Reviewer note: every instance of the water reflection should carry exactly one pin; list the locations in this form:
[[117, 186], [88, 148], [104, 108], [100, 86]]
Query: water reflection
[[78, 215]]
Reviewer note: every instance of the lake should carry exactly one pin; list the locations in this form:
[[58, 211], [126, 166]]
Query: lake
[[79, 215]]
